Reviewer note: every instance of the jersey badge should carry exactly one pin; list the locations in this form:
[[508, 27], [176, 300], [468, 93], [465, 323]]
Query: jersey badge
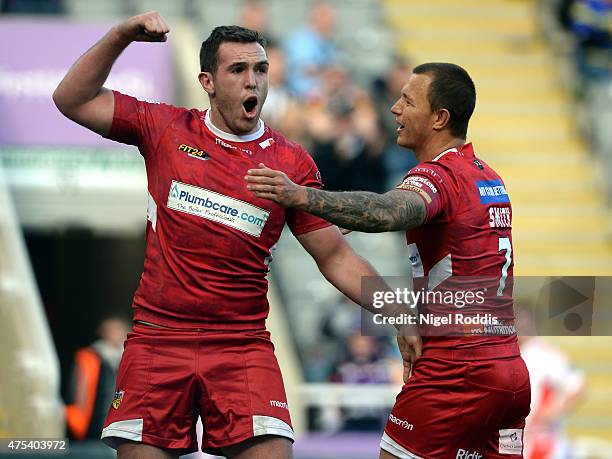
[[266, 143], [117, 399]]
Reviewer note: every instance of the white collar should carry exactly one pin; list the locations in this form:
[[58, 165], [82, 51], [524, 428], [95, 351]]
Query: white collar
[[233, 137], [444, 152]]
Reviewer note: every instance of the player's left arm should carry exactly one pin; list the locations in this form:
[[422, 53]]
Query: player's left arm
[[354, 210]]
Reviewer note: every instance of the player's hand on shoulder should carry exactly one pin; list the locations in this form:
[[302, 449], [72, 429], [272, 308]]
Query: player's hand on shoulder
[[274, 185], [144, 27]]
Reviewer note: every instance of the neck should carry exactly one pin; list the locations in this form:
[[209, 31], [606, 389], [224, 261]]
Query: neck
[[217, 120], [429, 150], [220, 128]]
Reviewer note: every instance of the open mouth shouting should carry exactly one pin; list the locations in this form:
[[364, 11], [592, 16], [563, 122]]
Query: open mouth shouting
[[250, 105], [400, 126]]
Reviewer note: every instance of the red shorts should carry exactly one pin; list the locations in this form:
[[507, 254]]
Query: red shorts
[[460, 409], [167, 378]]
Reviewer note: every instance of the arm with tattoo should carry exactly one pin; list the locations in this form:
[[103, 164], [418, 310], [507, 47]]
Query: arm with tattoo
[[354, 210], [366, 211]]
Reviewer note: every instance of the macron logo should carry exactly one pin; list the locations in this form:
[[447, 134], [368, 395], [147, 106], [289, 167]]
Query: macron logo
[[401, 423], [278, 404], [463, 454]]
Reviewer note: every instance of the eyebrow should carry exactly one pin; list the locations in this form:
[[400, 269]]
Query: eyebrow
[[245, 63]]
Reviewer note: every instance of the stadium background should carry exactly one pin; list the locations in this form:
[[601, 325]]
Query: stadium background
[[72, 207]]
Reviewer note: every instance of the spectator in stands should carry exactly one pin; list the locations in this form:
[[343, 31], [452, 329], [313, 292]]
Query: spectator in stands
[[93, 380], [281, 111], [556, 388], [346, 140], [591, 23], [32, 6], [310, 49], [385, 89], [254, 15], [365, 363]]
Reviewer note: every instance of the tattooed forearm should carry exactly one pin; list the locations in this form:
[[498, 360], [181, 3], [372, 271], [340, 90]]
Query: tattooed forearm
[[365, 211]]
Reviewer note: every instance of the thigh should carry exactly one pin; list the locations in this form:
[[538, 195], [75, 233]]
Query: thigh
[[243, 395], [264, 447], [132, 450], [386, 455], [155, 401]]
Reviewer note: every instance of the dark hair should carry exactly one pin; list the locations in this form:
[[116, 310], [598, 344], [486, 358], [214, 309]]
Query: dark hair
[[209, 52], [451, 88]]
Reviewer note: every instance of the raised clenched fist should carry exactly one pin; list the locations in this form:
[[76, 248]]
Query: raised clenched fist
[[144, 27]]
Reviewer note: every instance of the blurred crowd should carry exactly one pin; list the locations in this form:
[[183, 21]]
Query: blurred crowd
[[314, 99], [587, 26], [342, 354], [590, 23]]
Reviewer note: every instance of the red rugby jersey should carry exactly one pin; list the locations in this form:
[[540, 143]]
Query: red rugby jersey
[[209, 239], [464, 244]]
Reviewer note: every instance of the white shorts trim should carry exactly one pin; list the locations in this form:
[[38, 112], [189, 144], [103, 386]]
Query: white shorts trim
[[393, 447], [130, 429], [267, 425]]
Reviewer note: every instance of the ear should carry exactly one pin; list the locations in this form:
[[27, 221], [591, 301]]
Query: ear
[[441, 119], [207, 82]]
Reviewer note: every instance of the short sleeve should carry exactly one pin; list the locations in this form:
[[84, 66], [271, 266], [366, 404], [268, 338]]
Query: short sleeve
[[307, 174], [434, 185], [140, 123]]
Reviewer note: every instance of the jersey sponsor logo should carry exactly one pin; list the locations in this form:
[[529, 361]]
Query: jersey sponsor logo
[[492, 191], [217, 207], [117, 399], [427, 171], [499, 217], [465, 454], [194, 152], [401, 422], [420, 181], [266, 143], [511, 441], [278, 404], [218, 141], [416, 188]]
